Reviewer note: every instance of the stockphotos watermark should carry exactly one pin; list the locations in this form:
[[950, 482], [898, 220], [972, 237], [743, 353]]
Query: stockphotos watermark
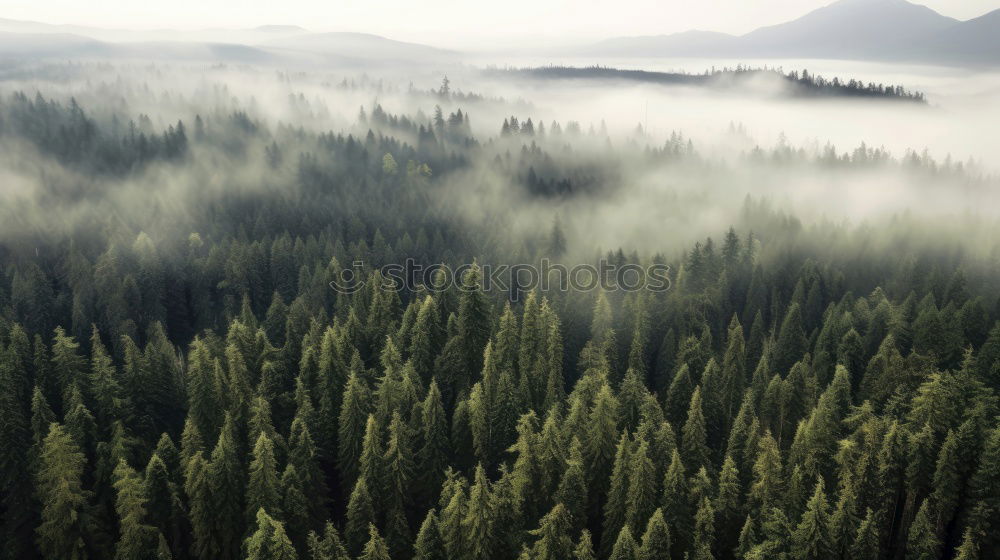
[[514, 279]]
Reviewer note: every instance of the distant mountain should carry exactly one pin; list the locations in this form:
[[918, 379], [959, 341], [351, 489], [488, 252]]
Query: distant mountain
[[284, 44], [238, 36], [39, 45], [847, 29], [280, 29], [976, 40], [358, 46]]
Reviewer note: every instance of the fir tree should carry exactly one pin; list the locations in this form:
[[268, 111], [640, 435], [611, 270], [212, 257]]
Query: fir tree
[[137, 540], [59, 485], [269, 541], [375, 548], [263, 486], [429, 544]]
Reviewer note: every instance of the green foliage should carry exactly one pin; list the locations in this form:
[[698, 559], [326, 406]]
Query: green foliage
[[61, 533], [269, 541]]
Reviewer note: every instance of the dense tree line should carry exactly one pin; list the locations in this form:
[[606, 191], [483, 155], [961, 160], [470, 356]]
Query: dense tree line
[[799, 393], [802, 84]]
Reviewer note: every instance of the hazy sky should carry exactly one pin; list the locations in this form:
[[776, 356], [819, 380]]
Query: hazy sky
[[448, 20]]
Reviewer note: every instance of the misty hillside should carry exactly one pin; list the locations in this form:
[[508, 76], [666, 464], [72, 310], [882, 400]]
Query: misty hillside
[[32, 45], [359, 45], [262, 45], [847, 29]]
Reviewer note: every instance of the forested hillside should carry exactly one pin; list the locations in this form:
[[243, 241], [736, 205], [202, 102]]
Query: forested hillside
[[178, 378]]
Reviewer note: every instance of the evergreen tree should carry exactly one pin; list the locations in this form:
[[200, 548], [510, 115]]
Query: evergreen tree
[[704, 532], [360, 514], [429, 544], [694, 446], [572, 490], [811, 540], [263, 486], [60, 491], [553, 533], [584, 548], [269, 541], [656, 539], [477, 526], [866, 545], [226, 480], [922, 542], [351, 428], [625, 546], [137, 540], [376, 548]]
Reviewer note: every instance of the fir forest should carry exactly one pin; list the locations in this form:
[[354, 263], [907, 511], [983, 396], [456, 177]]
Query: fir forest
[[267, 304]]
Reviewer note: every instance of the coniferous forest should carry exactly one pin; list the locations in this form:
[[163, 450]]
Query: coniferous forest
[[179, 377]]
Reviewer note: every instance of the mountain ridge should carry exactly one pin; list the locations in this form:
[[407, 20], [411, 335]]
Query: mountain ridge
[[847, 29]]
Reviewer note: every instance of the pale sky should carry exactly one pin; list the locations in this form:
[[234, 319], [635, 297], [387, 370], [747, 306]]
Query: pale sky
[[448, 21]]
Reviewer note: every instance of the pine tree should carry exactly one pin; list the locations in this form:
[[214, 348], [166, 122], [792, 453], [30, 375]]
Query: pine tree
[[16, 511], [433, 456], [572, 490], [329, 547], [985, 516], [360, 514], [811, 540], [294, 506], [616, 503], [351, 428], [226, 479], [164, 506], [694, 447], [303, 454], [642, 490], [969, 549], [429, 544], [948, 482], [269, 541], [138, 540], [656, 539], [553, 533], [704, 531], [675, 502], [398, 475], [843, 524], [477, 526], [602, 432], [263, 487], [59, 486], [746, 540], [375, 549], [922, 542], [372, 458], [728, 504], [473, 319], [625, 546], [791, 343], [584, 548], [678, 396], [766, 489], [198, 487], [866, 545]]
